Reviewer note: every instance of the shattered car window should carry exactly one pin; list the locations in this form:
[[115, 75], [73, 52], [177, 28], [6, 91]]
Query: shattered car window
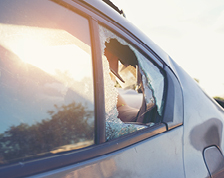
[[133, 86], [114, 126]]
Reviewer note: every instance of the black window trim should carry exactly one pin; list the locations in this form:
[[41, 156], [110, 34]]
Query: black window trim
[[100, 135]]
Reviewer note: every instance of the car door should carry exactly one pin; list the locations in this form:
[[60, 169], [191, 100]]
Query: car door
[[63, 121]]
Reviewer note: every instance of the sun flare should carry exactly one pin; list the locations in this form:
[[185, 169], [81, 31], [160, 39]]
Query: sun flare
[[48, 49]]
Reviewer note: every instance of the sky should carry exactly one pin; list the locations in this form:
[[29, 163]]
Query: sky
[[190, 31]]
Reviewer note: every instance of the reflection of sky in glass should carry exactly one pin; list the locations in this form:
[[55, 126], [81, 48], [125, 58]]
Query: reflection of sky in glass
[[52, 58], [64, 61], [48, 49], [51, 50]]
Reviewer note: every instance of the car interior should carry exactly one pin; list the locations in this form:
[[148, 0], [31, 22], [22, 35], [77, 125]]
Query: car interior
[[128, 79]]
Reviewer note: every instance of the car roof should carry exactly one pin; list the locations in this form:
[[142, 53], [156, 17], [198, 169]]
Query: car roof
[[111, 13]]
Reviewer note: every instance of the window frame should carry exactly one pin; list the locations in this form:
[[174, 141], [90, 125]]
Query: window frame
[[101, 147]]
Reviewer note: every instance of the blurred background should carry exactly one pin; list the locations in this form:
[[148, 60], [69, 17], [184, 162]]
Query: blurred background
[[190, 31]]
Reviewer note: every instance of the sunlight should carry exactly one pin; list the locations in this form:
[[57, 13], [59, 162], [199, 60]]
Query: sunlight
[[61, 57], [48, 49]]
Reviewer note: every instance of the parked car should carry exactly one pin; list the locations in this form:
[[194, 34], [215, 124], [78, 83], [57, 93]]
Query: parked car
[[84, 93]]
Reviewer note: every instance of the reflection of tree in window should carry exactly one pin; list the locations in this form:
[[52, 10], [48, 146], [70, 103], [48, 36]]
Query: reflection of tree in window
[[71, 125], [80, 90], [28, 95]]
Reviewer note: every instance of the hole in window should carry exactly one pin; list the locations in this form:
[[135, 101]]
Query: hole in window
[[134, 87]]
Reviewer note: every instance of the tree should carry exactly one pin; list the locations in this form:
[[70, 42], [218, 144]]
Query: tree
[[69, 124]]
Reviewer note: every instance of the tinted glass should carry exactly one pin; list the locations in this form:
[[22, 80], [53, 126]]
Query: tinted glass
[[46, 83]]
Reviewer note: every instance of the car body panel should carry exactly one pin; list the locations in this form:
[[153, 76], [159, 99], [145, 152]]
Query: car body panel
[[202, 126], [139, 160]]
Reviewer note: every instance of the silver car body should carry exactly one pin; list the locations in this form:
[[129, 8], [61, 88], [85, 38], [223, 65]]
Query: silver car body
[[189, 146]]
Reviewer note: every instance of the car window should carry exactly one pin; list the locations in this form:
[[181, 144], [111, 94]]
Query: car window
[[134, 87], [46, 81]]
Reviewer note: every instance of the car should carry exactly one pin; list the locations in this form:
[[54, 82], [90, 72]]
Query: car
[[84, 93]]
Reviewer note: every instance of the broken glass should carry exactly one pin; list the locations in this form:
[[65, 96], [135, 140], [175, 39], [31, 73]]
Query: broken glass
[[154, 78], [152, 81]]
